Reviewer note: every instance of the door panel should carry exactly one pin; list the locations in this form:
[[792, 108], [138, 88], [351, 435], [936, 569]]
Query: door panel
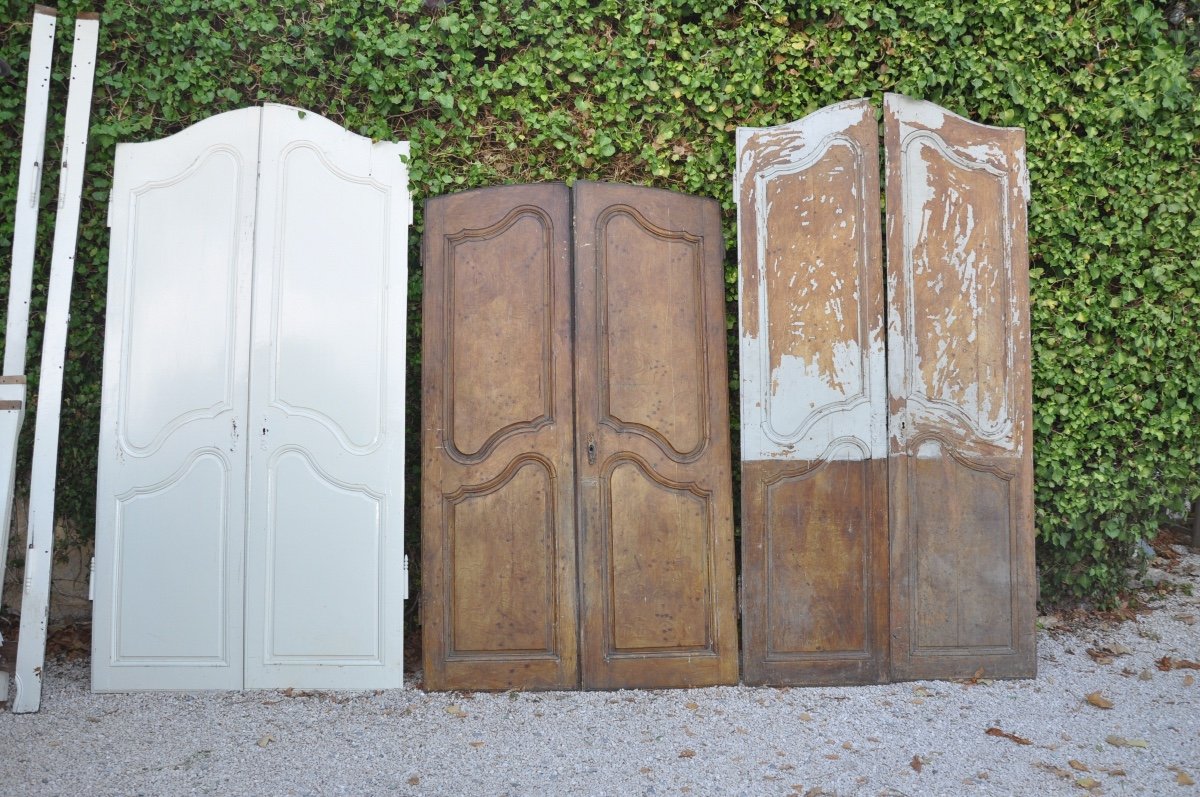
[[652, 444], [170, 519], [814, 482], [325, 542], [960, 459], [498, 492]]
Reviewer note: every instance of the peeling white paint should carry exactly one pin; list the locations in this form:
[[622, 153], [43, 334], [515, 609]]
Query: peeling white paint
[[797, 408], [948, 390]]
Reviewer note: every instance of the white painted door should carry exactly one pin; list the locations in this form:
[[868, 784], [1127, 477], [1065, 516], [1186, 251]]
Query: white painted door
[[250, 501], [171, 498], [324, 591]]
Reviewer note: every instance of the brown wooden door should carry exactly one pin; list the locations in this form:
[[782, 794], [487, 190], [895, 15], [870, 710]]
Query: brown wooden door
[[651, 511], [498, 497], [960, 462], [814, 404], [652, 440]]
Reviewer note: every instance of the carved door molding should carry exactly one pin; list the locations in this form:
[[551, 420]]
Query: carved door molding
[[960, 442], [814, 466], [576, 488], [250, 524], [887, 529]]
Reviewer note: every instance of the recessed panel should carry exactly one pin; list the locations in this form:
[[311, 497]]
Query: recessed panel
[[813, 256], [171, 588], [502, 566], [325, 566], [498, 328], [658, 556], [955, 232], [654, 320], [817, 558], [178, 357], [330, 292], [962, 553]]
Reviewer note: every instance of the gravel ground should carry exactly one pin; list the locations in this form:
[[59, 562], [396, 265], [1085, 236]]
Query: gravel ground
[[899, 739]]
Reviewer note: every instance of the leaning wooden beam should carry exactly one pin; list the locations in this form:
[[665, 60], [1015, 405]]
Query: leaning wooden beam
[[29, 184], [35, 600]]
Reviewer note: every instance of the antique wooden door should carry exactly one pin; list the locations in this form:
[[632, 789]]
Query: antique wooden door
[[813, 403], [498, 482], [960, 463], [613, 443], [652, 440], [249, 512]]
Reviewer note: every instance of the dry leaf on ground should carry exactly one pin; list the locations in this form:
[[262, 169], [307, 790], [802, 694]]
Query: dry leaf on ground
[[1099, 701], [1006, 735], [455, 711], [265, 740], [1066, 774], [1087, 783], [916, 763], [687, 752], [1181, 777], [1121, 741], [1166, 664], [1078, 766], [1106, 653]]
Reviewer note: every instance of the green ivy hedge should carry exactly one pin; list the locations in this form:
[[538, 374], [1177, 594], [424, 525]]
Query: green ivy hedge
[[493, 91]]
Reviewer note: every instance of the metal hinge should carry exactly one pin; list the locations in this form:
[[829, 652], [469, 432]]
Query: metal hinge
[[405, 576], [92, 580]]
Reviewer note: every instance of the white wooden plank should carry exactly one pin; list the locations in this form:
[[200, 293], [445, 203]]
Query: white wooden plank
[[171, 487], [35, 601], [29, 185]]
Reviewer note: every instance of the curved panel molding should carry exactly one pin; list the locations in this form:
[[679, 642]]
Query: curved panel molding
[[499, 333], [500, 536], [326, 608], [170, 542], [329, 307], [818, 560], [964, 553], [812, 255], [655, 382], [957, 247], [659, 563], [179, 330]]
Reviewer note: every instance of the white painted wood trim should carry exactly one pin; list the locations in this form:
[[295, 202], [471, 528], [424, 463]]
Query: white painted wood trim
[[35, 602], [29, 183], [29, 186]]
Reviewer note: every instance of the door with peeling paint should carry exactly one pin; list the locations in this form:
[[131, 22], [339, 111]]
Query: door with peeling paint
[[960, 460], [608, 447], [813, 403]]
